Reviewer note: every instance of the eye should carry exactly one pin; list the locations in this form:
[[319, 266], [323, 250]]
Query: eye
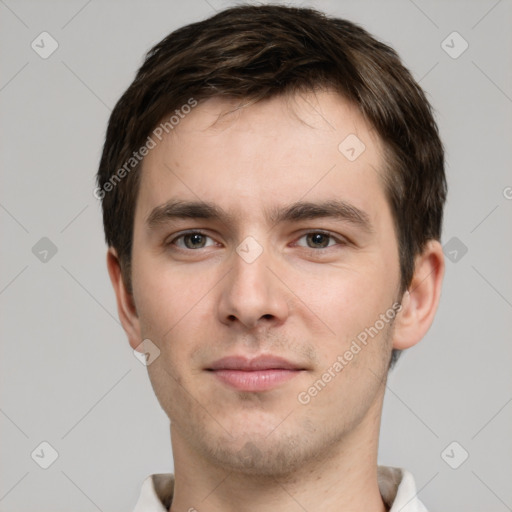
[[192, 240], [319, 240]]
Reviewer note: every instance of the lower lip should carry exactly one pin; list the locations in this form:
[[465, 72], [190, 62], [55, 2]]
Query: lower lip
[[257, 380]]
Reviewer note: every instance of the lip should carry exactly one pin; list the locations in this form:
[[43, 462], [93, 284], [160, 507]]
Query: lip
[[263, 362], [261, 373]]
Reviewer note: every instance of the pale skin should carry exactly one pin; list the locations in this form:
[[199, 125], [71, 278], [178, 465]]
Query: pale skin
[[304, 298]]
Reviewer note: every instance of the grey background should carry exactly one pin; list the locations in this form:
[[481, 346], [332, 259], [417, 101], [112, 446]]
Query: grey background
[[67, 373]]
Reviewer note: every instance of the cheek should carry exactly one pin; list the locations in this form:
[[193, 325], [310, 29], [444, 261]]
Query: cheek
[[173, 305], [161, 298], [345, 301]]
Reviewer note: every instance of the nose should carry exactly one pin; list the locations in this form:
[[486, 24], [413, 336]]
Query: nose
[[252, 294]]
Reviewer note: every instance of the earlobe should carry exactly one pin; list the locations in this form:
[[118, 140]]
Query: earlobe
[[420, 301], [125, 304]]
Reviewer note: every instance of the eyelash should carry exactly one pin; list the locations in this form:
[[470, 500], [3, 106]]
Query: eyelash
[[332, 237], [188, 233]]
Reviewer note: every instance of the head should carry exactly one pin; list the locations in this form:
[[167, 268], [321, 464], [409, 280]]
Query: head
[[304, 163]]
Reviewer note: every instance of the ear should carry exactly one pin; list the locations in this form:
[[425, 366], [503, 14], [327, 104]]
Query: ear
[[420, 301], [125, 304]]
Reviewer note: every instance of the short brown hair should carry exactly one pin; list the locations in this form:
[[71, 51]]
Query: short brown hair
[[257, 52]]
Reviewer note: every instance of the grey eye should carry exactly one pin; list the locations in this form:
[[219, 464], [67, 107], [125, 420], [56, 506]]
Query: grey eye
[[194, 241], [318, 240]]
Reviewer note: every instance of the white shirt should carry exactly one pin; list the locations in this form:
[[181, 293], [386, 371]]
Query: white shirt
[[396, 486]]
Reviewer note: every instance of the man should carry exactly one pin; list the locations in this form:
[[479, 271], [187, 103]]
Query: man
[[273, 187]]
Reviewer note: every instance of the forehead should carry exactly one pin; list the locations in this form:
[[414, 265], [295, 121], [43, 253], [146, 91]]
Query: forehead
[[254, 157]]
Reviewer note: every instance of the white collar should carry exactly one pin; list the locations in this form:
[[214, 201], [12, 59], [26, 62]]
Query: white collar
[[396, 486]]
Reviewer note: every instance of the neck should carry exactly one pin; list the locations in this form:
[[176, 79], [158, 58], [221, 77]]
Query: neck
[[344, 480]]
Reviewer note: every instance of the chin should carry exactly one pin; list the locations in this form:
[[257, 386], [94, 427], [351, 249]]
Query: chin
[[259, 458], [274, 453]]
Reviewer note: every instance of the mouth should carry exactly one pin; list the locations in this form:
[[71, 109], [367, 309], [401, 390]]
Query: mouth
[[262, 373]]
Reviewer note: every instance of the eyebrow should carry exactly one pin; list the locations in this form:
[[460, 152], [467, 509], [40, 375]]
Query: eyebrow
[[175, 209], [336, 209], [299, 211]]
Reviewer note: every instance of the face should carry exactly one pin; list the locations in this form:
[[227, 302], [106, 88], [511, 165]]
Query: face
[[263, 252]]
